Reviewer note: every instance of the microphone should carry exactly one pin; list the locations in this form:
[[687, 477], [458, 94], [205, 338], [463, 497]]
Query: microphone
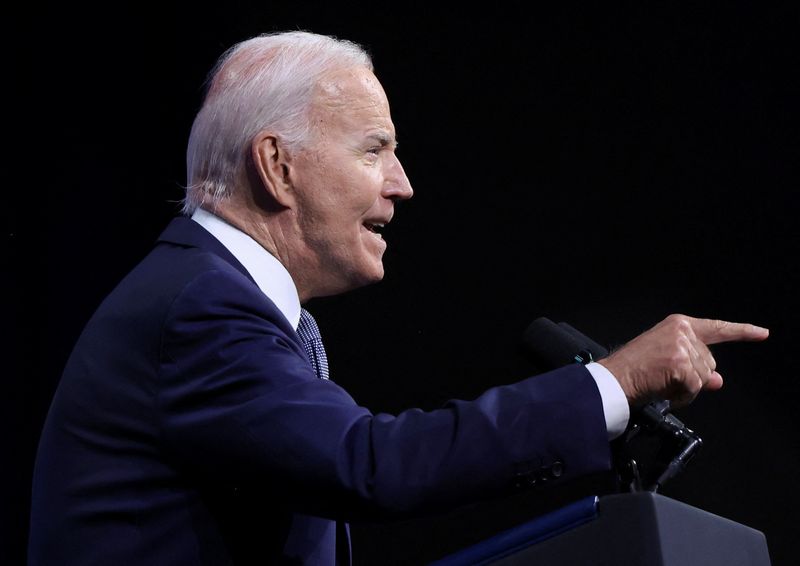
[[557, 345]]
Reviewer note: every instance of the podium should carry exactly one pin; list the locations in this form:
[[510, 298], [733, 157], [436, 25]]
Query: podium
[[633, 529]]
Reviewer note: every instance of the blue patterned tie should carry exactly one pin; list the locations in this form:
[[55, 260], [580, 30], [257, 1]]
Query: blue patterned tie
[[312, 342]]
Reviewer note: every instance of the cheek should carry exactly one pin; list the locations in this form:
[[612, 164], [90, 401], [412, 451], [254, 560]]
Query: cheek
[[337, 198], [348, 209]]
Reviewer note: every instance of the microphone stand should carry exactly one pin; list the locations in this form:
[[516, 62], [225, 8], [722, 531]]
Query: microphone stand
[[561, 344], [656, 419]]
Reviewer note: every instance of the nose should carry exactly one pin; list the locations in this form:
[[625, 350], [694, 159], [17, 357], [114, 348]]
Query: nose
[[396, 185]]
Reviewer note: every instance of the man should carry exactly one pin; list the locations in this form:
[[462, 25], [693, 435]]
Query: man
[[195, 424]]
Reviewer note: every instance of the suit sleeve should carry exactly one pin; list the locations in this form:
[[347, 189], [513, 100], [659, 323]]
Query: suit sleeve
[[240, 404]]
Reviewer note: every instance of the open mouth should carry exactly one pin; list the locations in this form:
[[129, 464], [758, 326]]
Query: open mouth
[[375, 228]]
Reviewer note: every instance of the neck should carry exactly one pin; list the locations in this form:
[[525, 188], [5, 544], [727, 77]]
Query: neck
[[251, 222], [271, 230]]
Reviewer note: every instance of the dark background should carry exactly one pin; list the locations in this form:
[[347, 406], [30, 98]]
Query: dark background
[[605, 166]]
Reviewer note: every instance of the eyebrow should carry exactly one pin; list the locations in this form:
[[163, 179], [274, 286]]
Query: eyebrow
[[383, 138]]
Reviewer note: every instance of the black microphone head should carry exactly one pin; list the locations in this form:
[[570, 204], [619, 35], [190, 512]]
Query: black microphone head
[[587, 344], [550, 344]]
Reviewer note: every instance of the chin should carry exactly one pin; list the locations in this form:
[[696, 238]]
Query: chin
[[355, 280], [373, 274]]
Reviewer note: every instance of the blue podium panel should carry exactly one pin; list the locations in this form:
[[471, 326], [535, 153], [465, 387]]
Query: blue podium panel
[[631, 530], [520, 537]]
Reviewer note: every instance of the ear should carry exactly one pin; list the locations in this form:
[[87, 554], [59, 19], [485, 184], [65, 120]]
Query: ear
[[272, 164]]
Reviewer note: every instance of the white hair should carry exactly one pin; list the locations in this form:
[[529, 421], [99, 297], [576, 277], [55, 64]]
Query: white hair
[[266, 82]]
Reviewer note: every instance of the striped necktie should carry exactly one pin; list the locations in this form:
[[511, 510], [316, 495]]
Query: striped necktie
[[312, 342]]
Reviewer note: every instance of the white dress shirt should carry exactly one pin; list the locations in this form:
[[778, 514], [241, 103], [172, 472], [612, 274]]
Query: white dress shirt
[[276, 283], [268, 273]]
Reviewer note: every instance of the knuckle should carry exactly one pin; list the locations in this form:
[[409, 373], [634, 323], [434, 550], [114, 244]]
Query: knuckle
[[676, 360], [674, 316], [683, 325], [692, 385], [679, 323], [679, 356]]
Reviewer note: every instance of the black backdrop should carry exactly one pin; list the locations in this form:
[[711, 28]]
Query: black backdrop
[[605, 166]]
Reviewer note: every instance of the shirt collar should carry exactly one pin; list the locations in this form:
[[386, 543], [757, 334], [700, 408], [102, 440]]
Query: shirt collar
[[268, 273]]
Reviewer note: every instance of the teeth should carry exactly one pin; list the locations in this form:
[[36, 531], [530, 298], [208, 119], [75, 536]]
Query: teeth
[[374, 227]]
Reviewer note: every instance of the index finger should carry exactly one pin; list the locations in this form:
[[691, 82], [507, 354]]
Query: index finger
[[711, 331]]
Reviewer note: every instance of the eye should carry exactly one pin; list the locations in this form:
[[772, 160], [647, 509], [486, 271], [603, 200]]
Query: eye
[[372, 155]]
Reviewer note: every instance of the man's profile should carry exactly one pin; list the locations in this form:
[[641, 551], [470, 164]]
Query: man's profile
[[195, 423]]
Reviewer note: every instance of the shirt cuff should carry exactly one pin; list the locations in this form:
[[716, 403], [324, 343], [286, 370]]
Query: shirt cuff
[[615, 404]]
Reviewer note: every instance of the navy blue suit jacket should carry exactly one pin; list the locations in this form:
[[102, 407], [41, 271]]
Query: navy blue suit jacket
[[190, 428]]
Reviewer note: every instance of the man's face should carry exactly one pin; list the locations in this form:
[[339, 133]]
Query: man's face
[[346, 183]]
